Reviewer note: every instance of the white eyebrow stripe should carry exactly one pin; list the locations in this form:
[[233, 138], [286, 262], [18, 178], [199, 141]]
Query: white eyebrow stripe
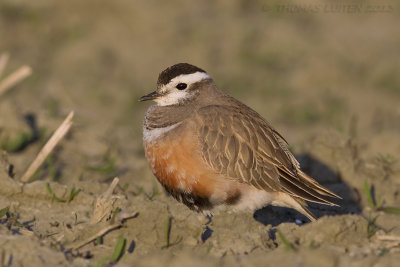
[[190, 78], [172, 97]]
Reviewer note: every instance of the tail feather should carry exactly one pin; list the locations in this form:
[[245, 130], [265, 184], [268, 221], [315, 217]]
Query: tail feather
[[286, 200], [304, 210], [305, 188], [317, 187]]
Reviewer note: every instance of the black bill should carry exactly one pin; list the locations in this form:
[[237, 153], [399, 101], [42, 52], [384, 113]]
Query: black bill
[[150, 96]]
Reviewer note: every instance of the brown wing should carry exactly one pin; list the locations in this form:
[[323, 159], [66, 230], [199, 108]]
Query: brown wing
[[243, 146]]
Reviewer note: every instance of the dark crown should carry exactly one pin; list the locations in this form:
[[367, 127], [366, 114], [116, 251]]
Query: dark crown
[[178, 69]]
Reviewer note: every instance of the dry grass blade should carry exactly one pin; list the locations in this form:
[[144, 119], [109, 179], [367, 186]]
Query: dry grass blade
[[48, 147], [102, 232], [26, 232], [389, 238], [94, 237], [3, 62], [105, 204], [14, 78]]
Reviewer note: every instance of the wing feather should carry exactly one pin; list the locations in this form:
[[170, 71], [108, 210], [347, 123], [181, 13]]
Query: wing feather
[[243, 146]]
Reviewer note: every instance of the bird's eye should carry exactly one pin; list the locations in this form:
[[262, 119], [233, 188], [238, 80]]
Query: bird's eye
[[181, 86]]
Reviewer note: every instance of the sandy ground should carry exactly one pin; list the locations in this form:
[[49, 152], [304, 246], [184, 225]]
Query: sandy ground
[[326, 79]]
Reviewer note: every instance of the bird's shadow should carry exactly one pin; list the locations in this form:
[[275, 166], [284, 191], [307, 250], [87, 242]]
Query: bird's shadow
[[323, 174]]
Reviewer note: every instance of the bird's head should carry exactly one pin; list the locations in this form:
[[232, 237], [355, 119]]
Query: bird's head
[[178, 84]]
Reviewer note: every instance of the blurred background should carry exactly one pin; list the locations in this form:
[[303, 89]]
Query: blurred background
[[324, 73], [306, 66]]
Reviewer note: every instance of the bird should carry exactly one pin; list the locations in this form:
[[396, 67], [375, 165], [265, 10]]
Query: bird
[[208, 149]]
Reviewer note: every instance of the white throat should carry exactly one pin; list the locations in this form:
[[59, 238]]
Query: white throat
[[174, 96], [154, 134]]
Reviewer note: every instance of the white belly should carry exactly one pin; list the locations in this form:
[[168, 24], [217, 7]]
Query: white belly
[[254, 199]]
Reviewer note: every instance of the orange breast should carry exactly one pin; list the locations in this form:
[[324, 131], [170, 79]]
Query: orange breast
[[176, 161]]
